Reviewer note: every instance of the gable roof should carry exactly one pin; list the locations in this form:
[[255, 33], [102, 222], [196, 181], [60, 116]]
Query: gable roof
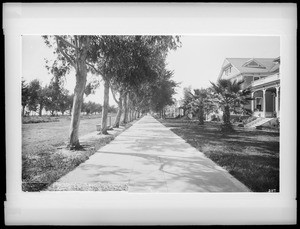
[[266, 64], [252, 63]]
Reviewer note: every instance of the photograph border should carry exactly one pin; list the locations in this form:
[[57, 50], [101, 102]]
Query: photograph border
[[115, 208]]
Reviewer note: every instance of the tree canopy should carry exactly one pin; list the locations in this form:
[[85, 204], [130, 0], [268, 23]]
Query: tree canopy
[[132, 67], [229, 96]]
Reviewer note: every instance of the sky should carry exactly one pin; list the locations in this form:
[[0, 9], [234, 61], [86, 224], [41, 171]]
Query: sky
[[195, 64]]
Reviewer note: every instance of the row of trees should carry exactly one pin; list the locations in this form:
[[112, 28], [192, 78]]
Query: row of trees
[[94, 108], [225, 95], [132, 67], [53, 98]]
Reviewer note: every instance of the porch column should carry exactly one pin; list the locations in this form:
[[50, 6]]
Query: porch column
[[277, 102], [252, 102], [264, 102]]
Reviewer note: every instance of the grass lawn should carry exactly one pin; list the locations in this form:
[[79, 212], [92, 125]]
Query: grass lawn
[[44, 157], [251, 156]]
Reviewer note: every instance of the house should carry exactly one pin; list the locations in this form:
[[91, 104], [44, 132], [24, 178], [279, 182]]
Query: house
[[262, 77]]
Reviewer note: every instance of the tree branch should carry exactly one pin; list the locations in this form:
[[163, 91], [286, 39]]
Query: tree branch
[[65, 54], [66, 42], [114, 96], [76, 50], [96, 70]]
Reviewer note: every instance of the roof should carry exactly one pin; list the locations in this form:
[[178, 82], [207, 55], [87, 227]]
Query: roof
[[266, 64], [275, 68], [277, 59]]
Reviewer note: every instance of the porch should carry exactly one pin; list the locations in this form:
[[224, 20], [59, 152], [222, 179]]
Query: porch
[[266, 97]]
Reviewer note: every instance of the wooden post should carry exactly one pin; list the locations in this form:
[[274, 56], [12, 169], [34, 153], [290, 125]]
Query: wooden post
[[252, 101], [277, 102], [264, 103]]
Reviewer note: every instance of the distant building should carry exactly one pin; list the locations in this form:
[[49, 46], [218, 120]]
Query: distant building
[[262, 76]]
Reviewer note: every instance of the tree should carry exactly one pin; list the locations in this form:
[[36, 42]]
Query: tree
[[123, 59], [69, 101], [119, 102], [162, 92], [72, 52], [55, 97], [157, 78], [90, 107], [63, 102], [201, 103], [34, 89], [50, 103], [229, 96], [25, 96], [112, 109], [98, 108], [142, 61], [42, 99], [111, 56], [103, 59]]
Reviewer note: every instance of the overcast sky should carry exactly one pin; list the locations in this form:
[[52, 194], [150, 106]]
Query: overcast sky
[[197, 62]]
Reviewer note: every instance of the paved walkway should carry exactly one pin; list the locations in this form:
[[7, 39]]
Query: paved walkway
[[148, 157]]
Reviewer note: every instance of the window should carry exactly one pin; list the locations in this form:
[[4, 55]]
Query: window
[[227, 71]]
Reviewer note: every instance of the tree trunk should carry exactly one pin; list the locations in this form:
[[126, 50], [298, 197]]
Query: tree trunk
[[226, 116], [40, 110], [118, 117], [201, 116], [131, 117], [81, 74], [226, 126], [125, 118], [104, 126], [23, 111], [135, 115]]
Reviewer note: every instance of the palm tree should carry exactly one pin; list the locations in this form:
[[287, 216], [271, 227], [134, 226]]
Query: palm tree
[[230, 96], [201, 103]]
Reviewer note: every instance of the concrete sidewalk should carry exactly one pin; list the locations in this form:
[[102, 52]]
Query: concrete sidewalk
[[148, 157]]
